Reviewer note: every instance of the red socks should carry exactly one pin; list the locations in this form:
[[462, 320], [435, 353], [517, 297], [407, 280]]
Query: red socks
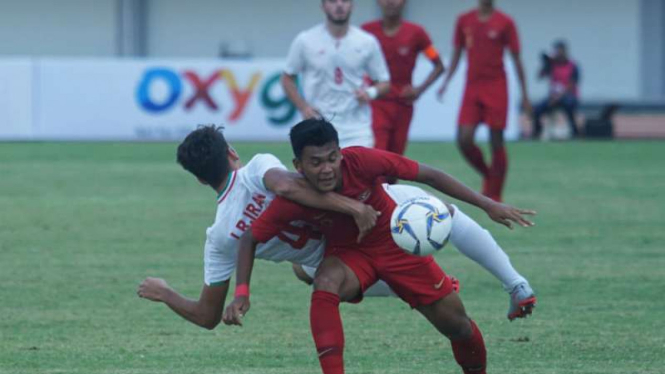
[[326, 325], [474, 156], [328, 333], [497, 174], [494, 175], [470, 353]]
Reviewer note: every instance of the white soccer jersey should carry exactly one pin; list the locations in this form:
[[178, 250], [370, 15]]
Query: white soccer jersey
[[242, 201], [331, 70]]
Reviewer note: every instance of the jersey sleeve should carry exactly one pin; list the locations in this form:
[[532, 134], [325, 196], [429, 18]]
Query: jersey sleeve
[[275, 218], [295, 60], [424, 45], [375, 163], [512, 38], [458, 37], [256, 169], [219, 259], [377, 68]]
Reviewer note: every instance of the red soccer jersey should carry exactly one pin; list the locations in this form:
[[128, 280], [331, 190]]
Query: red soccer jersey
[[363, 170], [401, 51], [484, 42]]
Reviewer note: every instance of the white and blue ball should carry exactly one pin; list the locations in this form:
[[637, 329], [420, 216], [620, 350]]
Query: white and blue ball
[[421, 226]]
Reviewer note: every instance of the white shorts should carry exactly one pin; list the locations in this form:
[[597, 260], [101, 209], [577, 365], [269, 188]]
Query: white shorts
[[355, 135]]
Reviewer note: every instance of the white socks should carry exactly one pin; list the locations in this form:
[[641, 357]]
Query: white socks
[[478, 244]]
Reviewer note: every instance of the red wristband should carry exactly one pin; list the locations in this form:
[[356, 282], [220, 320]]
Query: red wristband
[[242, 290]]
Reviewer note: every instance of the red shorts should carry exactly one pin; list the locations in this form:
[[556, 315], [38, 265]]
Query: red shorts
[[390, 122], [485, 102], [417, 280]]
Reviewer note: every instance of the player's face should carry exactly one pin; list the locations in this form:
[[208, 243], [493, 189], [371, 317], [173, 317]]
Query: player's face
[[486, 2], [321, 166], [560, 53], [391, 8], [337, 11]]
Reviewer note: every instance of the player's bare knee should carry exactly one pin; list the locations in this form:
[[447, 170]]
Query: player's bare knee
[[461, 329], [328, 281]]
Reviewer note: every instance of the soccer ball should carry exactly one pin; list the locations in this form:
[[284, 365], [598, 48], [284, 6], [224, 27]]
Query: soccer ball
[[421, 226]]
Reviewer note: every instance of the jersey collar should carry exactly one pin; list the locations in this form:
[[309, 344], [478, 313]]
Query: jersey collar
[[230, 181]]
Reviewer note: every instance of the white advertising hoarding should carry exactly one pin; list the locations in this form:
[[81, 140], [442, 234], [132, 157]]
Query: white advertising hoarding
[[16, 99], [78, 99]]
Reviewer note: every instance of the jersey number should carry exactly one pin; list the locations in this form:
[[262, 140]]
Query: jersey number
[[302, 234], [339, 75]]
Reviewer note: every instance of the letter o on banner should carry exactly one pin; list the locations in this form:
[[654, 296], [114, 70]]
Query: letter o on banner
[[149, 78]]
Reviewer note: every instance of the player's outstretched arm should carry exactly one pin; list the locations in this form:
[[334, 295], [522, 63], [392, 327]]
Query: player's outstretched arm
[[205, 312], [240, 304], [501, 213], [294, 187]]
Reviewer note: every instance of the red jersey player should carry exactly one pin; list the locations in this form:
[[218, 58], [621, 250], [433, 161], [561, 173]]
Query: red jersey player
[[484, 33], [350, 267], [401, 43]]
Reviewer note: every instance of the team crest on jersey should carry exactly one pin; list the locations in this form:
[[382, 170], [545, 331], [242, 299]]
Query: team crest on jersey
[[404, 50], [492, 34], [364, 196]]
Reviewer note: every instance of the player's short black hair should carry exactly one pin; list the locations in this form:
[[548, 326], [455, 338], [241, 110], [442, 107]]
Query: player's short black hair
[[312, 132], [560, 43], [204, 153]]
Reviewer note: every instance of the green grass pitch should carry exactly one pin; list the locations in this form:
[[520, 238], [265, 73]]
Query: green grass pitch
[[82, 224]]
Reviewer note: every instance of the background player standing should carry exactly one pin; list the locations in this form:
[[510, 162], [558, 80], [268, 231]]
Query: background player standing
[[332, 60], [401, 43], [484, 33]]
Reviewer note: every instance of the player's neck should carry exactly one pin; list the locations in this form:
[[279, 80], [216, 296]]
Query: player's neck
[[485, 11], [337, 31], [235, 165], [391, 25]]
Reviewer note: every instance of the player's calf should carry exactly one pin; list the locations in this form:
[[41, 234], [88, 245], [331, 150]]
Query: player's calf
[[449, 317]]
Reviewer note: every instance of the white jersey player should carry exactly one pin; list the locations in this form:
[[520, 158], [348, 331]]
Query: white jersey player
[[333, 60]]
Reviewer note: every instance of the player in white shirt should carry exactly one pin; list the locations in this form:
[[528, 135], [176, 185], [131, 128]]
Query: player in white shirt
[[333, 59]]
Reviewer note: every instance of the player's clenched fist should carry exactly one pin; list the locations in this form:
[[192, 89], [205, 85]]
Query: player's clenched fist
[[365, 220], [152, 289], [236, 310]]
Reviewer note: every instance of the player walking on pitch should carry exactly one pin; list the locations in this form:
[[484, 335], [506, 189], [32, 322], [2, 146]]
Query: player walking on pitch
[[350, 267], [332, 60], [484, 33], [401, 43]]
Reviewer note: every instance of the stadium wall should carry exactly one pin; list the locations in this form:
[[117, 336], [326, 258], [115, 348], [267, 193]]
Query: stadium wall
[[606, 36]]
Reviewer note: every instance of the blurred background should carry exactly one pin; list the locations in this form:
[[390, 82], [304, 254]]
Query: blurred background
[[90, 59]]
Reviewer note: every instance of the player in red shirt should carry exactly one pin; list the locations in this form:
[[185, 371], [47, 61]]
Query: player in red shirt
[[484, 33], [350, 267], [401, 43]]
